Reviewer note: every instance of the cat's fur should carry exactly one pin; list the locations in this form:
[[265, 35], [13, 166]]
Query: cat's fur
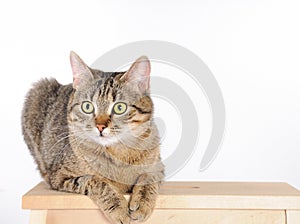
[[100, 154]]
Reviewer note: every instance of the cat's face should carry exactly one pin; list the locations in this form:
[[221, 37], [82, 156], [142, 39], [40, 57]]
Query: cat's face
[[111, 108]]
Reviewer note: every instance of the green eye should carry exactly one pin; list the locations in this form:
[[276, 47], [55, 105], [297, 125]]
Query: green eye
[[120, 108], [87, 107]]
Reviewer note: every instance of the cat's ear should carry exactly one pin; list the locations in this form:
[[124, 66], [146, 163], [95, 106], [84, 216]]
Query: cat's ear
[[138, 74], [81, 72]]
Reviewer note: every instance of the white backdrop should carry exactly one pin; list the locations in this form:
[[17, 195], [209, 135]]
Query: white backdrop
[[252, 48]]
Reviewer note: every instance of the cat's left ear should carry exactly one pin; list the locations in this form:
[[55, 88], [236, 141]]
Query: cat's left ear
[[138, 74], [81, 72]]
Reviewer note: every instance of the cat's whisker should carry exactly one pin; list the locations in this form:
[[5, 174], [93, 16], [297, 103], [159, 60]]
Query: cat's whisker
[[66, 131], [126, 144], [66, 137], [68, 144]]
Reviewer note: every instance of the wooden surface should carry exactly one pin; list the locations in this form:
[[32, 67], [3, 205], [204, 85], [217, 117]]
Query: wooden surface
[[293, 216], [184, 195], [165, 216], [179, 202]]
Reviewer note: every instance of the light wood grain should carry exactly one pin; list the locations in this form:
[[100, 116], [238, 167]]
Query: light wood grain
[[175, 217], [179, 202], [217, 217], [184, 195], [38, 217], [76, 217], [293, 216]]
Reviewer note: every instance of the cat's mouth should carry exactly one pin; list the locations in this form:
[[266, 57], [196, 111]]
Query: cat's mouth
[[106, 137], [107, 140], [105, 132]]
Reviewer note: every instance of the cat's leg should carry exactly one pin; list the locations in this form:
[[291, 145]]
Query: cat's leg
[[112, 203], [143, 197]]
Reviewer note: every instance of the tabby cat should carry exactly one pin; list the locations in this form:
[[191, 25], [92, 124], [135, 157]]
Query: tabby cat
[[97, 137]]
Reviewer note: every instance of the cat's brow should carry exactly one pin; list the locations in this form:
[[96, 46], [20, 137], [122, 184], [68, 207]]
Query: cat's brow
[[74, 105]]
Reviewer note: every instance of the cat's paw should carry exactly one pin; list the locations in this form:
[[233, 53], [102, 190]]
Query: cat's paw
[[118, 212], [140, 210], [121, 217]]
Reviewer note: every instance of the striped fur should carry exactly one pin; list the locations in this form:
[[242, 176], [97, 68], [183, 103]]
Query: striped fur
[[95, 151]]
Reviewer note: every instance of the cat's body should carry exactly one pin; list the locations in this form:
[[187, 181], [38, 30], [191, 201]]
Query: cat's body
[[96, 137]]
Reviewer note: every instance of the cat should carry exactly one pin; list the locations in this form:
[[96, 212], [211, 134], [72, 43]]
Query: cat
[[96, 137]]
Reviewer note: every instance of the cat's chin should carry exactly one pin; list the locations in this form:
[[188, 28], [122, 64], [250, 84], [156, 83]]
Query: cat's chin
[[106, 141]]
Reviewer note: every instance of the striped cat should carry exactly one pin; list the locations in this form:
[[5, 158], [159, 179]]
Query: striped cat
[[97, 137]]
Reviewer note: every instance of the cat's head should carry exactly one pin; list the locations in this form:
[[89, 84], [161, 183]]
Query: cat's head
[[109, 108]]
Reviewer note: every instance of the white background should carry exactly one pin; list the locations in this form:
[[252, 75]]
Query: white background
[[252, 48]]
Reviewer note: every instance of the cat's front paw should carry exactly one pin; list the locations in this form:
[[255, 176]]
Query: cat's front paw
[[140, 210], [121, 217]]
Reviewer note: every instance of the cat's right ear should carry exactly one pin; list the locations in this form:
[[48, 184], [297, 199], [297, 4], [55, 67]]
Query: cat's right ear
[[81, 72]]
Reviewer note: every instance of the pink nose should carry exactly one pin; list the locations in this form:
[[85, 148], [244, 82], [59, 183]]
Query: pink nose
[[101, 127]]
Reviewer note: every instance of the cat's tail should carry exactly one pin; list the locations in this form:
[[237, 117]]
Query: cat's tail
[[35, 109]]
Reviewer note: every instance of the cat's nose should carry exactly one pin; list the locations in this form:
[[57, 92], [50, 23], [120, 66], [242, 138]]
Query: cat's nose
[[101, 127]]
